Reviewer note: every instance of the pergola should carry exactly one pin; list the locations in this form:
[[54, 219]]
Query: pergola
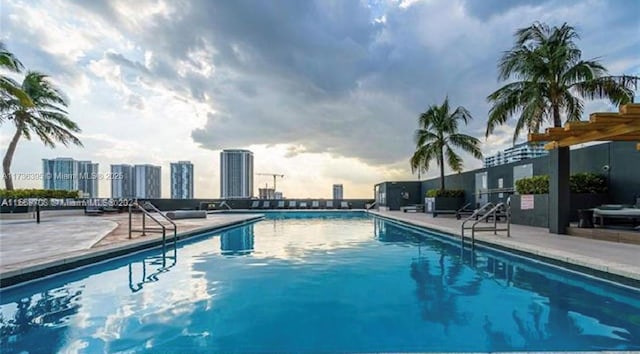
[[603, 126], [610, 126]]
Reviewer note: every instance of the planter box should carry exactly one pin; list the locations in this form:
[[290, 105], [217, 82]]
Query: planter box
[[539, 215], [442, 205]]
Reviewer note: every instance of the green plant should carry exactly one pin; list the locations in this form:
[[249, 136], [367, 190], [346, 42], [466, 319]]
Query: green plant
[[447, 193], [37, 193], [533, 185], [437, 136], [578, 183], [588, 183], [548, 80]]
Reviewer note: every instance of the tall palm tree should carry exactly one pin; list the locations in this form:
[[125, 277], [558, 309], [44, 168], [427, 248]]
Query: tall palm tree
[[436, 137], [8, 87], [46, 118], [551, 80]]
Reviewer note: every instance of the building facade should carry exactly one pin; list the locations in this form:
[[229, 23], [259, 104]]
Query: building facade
[[147, 182], [182, 180], [515, 153], [236, 174], [64, 173], [122, 181], [266, 193], [338, 191]]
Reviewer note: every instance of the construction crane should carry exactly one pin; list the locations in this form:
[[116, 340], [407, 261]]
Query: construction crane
[[274, 175]]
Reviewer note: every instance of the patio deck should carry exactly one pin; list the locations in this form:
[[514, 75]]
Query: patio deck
[[30, 248], [615, 258]]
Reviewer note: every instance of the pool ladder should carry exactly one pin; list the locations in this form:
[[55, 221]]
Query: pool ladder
[[146, 213], [489, 210]]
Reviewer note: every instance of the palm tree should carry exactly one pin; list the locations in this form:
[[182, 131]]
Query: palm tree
[[551, 80], [8, 87], [436, 137], [46, 118]]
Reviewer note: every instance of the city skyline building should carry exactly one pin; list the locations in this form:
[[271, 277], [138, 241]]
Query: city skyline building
[[236, 173], [519, 152], [65, 173], [147, 181], [182, 180], [338, 191], [122, 181]]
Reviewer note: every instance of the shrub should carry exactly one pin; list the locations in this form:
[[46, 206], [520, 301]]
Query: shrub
[[588, 183], [578, 183], [37, 193], [449, 193], [533, 185]]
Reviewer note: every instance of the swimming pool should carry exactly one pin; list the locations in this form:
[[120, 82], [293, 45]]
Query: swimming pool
[[318, 282]]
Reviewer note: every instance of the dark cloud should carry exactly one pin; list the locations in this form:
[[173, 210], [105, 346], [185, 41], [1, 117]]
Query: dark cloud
[[326, 76]]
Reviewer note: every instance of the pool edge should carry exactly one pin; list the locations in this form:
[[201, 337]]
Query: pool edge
[[87, 257], [581, 266]]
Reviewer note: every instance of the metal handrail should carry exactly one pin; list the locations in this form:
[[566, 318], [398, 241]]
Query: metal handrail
[[492, 213], [146, 213], [224, 203], [371, 205], [474, 216]]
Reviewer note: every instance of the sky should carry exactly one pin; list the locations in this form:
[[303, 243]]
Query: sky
[[321, 91]]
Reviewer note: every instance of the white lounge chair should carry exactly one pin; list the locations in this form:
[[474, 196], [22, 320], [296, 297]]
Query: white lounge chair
[[266, 204], [315, 204], [292, 204], [329, 204], [344, 205], [281, 204], [303, 205]]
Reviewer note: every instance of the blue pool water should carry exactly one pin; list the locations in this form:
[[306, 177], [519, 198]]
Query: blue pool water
[[318, 283]]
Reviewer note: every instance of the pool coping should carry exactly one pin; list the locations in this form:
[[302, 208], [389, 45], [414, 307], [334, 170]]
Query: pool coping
[[578, 263], [77, 259]]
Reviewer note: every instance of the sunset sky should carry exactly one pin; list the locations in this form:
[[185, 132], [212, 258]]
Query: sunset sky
[[321, 91]]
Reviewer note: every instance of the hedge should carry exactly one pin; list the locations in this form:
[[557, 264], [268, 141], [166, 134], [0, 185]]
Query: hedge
[[447, 193], [578, 183], [37, 193]]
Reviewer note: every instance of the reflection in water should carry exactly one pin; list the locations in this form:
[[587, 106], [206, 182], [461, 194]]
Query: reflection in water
[[238, 242], [38, 319], [367, 284], [158, 264], [564, 313]]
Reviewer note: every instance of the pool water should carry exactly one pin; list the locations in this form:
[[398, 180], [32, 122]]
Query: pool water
[[322, 282]]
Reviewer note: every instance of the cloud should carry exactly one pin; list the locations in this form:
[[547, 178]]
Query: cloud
[[344, 80]]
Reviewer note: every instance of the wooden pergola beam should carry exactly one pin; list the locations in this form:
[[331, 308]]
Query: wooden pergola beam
[[604, 134]]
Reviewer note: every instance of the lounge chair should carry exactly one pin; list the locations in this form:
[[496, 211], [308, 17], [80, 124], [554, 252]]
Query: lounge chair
[[255, 204], [616, 211], [292, 204], [329, 204], [266, 204], [315, 204], [303, 205], [281, 204], [344, 205]]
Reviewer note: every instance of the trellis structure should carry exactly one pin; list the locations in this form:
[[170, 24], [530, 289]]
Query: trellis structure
[[610, 126], [621, 126]]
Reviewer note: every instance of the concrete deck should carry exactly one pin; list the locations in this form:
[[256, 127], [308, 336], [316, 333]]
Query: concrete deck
[[610, 257], [27, 247]]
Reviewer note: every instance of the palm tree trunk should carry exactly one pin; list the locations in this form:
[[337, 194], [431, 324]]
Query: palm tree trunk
[[441, 169], [6, 162], [557, 122]]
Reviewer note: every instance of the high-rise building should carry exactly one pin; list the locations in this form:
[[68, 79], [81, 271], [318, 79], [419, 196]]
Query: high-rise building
[[337, 191], [236, 174], [515, 153], [122, 181], [64, 173], [147, 182], [266, 193], [182, 180]]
